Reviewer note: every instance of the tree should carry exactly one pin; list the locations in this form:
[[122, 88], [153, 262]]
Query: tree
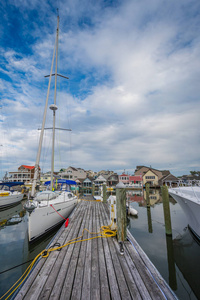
[[195, 173]]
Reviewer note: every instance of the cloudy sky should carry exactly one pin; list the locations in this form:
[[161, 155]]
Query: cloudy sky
[[133, 94]]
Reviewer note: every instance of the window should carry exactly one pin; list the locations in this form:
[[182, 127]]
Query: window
[[150, 177]]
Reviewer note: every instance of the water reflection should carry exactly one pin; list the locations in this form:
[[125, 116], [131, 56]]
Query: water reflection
[[12, 215], [166, 252], [171, 263], [187, 259], [16, 253]]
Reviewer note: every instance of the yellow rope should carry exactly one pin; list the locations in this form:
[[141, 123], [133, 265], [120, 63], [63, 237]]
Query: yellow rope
[[104, 232]]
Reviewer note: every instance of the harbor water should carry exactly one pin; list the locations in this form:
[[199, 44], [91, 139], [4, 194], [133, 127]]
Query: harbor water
[[176, 257]]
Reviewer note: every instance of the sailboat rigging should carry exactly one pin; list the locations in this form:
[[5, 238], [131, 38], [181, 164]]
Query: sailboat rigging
[[42, 217]]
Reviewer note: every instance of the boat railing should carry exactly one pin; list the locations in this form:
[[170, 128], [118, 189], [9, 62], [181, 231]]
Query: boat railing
[[190, 192]]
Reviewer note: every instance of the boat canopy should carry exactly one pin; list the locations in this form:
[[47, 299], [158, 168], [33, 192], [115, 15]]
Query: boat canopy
[[11, 183], [69, 182]]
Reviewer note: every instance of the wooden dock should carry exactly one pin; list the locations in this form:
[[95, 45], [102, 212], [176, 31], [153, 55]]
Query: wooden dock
[[94, 269]]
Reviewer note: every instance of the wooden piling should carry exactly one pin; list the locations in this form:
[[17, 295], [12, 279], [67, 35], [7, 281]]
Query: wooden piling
[[150, 227], [104, 193], [121, 212], [171, 263], [166, 209], [93, 189], [147, 194]]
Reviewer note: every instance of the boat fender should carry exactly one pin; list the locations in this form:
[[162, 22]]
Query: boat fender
[[66, 222]]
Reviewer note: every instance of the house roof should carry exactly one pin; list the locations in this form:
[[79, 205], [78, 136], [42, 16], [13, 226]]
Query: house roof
[[75, 169], [28, 167], [87, 180], [113, 177], [124, 174], [136, 177], [169, 177], [153, 171], [100, 178]]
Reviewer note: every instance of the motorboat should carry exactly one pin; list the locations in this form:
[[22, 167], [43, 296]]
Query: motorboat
[[188, 197], [50, 207], [9, 195]]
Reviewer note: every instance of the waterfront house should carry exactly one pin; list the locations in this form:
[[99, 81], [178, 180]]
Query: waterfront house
[[113, 180], [87, 183], [151, 178], [169, 180], [73, 173], [24, 174], [47, 177], [100, 180], [135, 181], [124, 178]]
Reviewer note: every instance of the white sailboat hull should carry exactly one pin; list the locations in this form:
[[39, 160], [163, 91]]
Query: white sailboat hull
[[44, 219], [189, 200], [12, 199]]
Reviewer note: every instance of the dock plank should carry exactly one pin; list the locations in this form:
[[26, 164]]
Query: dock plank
[[94, 269], [104, 284]]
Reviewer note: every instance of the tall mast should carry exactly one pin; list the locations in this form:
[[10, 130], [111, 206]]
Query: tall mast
[[54, 108], [36, 171]]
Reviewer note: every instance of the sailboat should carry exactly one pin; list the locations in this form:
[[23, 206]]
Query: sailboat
[[48, 208]]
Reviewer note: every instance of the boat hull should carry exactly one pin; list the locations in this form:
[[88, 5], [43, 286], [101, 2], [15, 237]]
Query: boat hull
[[10, 200], [189, 201], [44, 219]]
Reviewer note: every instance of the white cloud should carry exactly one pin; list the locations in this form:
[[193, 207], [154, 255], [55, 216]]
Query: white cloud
[[133, 92]]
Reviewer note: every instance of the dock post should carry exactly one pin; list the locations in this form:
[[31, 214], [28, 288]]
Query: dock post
[[171, 263], [93, 189], [121, 212], [150, 227], [104, 193], [147, 194], [166, 209]]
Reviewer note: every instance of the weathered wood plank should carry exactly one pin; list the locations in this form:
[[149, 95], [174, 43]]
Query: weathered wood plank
[[95, 284], [159, 279], [69, 278], [48, 286], [136, 282], [148, 280], [78, 280], [104, 285], [64, 259], [124, 291], [113, 284]]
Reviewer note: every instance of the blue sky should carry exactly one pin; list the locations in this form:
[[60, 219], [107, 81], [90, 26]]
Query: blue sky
[[133, 97]]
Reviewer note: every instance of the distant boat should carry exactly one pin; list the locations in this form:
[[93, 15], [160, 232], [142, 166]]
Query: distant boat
[[189, 200], [132, 211], [49, 208], [8, 195]]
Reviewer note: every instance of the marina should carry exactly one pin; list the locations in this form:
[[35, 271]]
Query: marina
[[99, 162], [150, 236]]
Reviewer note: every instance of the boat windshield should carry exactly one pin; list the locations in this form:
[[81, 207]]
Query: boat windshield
[[47, 195]]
